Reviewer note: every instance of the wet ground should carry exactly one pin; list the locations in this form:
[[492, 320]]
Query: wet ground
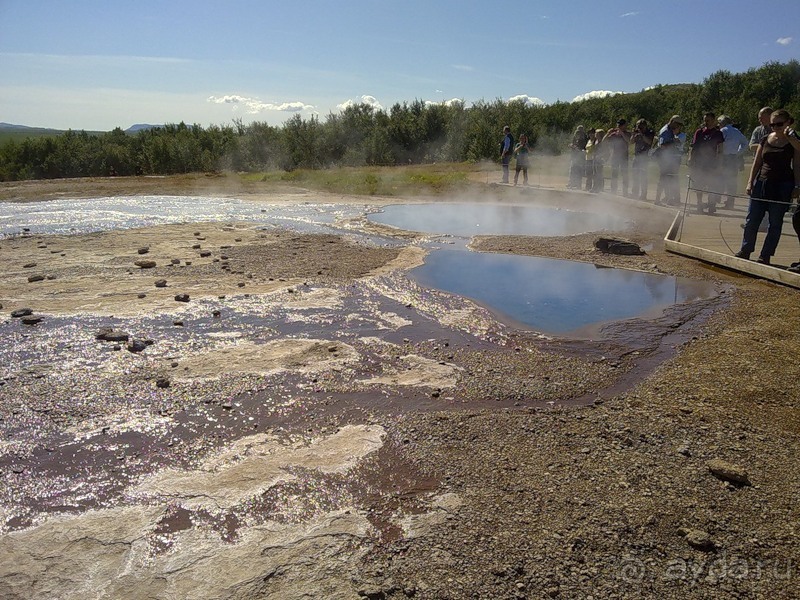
[[94, 424]]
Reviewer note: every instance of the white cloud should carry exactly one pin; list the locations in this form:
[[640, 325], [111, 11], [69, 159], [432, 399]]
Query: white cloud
[[463, 68], [628, 14], [369, 100], [595, 94], [528, 100], [784, 41], [450, 102], [254, 106]]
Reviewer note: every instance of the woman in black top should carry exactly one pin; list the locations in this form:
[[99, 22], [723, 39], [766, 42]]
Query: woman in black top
[[772, 185]]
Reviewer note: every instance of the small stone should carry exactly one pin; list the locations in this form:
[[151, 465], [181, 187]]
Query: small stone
[[699, 540], [107, 334], [29, 265], [31, 320], [161, 283], [163, 382], [728, 472], [178, 323], [182, 297], [136, 345], [35, 278], [141, 295], [143, 250], [21, 312], [176, 261], [205, 254], [145, 264]]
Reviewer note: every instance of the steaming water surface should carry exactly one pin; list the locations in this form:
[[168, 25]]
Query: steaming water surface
[[495, 219], [547, 295]]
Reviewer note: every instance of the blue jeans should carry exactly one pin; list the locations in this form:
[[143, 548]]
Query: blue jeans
[[771, 198]]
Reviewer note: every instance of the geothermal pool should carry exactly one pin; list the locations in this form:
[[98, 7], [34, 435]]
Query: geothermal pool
[[546, 295]]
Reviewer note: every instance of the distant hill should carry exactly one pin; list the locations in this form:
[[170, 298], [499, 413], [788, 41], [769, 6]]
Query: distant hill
[[18, 133], [141, 127]]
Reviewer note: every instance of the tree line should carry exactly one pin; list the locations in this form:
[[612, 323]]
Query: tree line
[[411, 132]]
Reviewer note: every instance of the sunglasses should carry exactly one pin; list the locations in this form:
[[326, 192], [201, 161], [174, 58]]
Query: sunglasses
[[776, 125]]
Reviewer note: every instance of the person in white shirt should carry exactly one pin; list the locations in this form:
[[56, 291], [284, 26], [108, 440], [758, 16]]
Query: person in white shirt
[[733, 150]]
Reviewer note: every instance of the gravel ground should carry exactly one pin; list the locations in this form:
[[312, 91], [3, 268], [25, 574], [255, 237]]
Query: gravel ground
[[609, 497]]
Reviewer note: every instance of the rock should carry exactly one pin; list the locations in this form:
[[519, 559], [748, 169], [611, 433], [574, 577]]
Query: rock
[[108, 334], [163, 382], [698, 539], [34, 278], [612, 246], [29, 265], [196, 247], [21, 312], [182, 297], [143, 250], [136, 345], [145, 264], [31, 320], [205, 254], [728, 472], [175, 261], [161, 283], [372, 593]]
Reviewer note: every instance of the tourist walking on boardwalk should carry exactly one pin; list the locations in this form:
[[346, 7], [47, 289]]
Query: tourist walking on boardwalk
[[577, 146], [521, 152], [668, 155], [704, 162], [774, 180], [733, 151], [618, 139], [506, 150], [594, 162], [642, 140]]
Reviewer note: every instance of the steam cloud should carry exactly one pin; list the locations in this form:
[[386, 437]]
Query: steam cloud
[[254, 105], [784, 41]]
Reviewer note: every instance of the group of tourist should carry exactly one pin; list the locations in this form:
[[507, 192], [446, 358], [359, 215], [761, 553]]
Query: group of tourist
[[716, 156]]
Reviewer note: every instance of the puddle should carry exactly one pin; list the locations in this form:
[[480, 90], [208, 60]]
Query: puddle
[[468, 219], [554, 296]]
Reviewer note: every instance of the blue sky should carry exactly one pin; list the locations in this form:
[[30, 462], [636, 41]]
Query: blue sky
[[98, 65]]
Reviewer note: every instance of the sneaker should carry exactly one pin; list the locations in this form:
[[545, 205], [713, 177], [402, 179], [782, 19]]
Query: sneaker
[[742, 254], [763, 260]]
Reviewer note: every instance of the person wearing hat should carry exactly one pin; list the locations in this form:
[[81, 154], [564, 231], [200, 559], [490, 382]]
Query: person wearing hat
[[668, 153], [618, 139]]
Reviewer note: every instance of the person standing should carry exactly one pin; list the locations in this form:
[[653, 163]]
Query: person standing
[[506, 150], [668, 154], [762, 130], [577, 147], [773, 182], [521, 152], [642, 140], [594, 162], [618, 139], [734, 146], [704, 162]]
